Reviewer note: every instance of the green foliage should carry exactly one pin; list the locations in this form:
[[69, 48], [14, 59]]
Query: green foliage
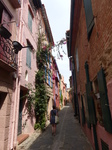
[[36, 126], [38, 97], [61, 98]]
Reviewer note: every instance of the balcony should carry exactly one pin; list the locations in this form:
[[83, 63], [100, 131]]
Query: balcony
[[15, 3], [7, 55]]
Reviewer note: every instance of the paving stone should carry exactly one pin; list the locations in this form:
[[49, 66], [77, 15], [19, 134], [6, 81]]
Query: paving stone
[[69, 135]]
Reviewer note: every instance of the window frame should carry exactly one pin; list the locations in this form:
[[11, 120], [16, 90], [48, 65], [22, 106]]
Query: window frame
[[28, 56], [89, 17], [30, 19]]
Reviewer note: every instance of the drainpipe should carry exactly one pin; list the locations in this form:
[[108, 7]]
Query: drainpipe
[[19, 76], [17, 93], [76, 107]]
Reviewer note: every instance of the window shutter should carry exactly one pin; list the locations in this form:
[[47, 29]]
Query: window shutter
[[27, 56], [6, 18], [90, 102], [104, 101], [89, 16], [49, 78], [30, 21], [82, 111]]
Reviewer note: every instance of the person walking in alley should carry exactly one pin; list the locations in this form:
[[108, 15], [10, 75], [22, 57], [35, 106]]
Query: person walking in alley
[[53, 113]]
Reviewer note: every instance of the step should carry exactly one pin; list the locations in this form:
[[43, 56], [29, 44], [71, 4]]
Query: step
[[22, 137]]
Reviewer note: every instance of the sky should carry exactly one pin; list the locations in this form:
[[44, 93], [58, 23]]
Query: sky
[[58, 13]]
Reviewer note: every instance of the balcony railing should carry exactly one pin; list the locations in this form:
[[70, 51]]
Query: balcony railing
[[15, 3], [7, 55]]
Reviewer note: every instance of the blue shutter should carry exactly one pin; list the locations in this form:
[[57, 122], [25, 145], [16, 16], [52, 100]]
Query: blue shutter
[[49, 60], [46, 57], [48, 78], [30, 20], [51, 82], [28, 58], [89, 16], [104, 101]]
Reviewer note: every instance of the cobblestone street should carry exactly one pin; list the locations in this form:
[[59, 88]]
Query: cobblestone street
[[69, 135]]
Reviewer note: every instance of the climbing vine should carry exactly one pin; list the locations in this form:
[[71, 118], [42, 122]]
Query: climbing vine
[[41, 92], [37, 98]]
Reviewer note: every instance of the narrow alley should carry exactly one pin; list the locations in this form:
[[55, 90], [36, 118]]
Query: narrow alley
[[69, 135]]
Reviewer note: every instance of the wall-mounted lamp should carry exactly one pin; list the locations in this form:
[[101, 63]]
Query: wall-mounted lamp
[[17, 46], [6, 34]]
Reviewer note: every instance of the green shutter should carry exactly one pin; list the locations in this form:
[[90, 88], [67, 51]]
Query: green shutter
[[90, 102], [82, 112], [104, 101], [89, 16]]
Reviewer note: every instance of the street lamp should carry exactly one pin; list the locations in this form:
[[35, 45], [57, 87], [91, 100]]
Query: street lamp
[[17, 46], [6, 35]]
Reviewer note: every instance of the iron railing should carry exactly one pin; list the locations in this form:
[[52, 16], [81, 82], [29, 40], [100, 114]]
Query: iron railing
[[7, 53]]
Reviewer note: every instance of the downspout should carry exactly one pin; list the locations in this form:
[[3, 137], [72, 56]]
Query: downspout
[[19, 76], [16, 96], [77, 104]]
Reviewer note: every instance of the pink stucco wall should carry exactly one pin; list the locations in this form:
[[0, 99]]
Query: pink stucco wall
[[26, 34]]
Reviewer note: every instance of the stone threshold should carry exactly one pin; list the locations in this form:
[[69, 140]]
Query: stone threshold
[[21, 138]]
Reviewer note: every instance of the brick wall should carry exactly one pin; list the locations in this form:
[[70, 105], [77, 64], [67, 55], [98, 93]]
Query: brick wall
[[97, 51]]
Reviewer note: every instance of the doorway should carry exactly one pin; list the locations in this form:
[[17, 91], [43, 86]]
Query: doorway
[[20, 114]]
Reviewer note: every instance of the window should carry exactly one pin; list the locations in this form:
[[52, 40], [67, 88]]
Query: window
[[28, 56], [49, 78], [30, 18], [104, 145], [77, 60], [104, 101], [89, 17], [26, 75], [86, 109], [4, 17], [51, 82], [97, 102]]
